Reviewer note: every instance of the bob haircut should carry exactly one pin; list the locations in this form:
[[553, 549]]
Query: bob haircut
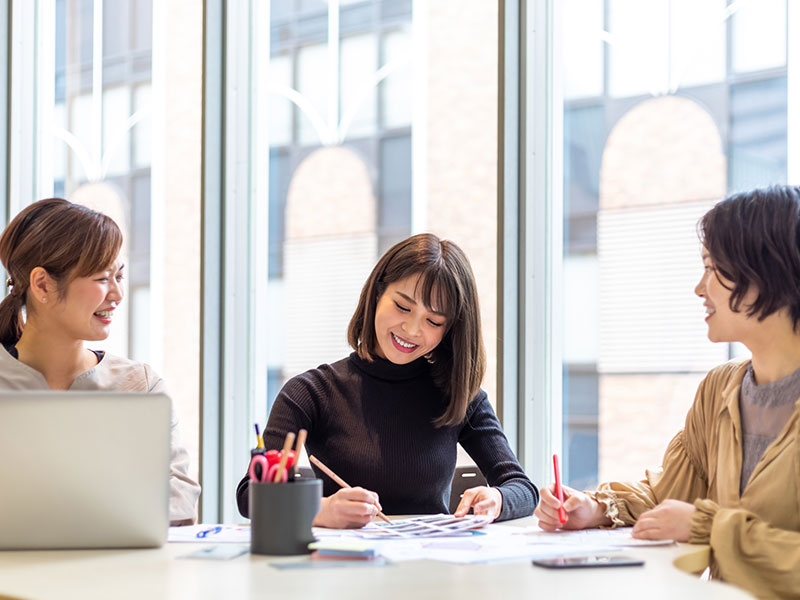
[[446, 284], [67, 240], [753, 239]]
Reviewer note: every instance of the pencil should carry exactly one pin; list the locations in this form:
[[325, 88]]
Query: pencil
[[301, 439], [339, 480], [287, 445]]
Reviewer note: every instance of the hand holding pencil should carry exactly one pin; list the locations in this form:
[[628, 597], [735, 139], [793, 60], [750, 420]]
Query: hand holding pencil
[[348, 508]]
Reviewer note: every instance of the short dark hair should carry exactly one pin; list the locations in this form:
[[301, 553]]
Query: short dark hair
[[446, 282], [67, 240], [753, 239]]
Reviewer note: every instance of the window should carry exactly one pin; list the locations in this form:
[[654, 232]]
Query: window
[[676, 131], [117, 127]]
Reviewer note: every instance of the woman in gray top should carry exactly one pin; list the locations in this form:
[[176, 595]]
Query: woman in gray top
[[64, 285]]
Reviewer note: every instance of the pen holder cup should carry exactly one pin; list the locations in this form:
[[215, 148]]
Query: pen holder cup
[[281, 515]]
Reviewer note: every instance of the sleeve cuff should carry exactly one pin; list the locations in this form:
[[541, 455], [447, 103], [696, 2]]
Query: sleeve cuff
[[702, 520], [610, 506]]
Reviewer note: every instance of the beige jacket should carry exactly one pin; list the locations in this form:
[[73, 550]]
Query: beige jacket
[[755, 538], [113, 373]]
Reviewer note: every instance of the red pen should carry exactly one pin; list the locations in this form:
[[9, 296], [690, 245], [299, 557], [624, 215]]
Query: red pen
[[562, 514]]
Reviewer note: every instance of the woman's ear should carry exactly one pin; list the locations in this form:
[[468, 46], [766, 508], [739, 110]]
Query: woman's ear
[[42, 287]]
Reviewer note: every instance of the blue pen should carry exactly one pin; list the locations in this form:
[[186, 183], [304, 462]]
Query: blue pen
[[209, 531]]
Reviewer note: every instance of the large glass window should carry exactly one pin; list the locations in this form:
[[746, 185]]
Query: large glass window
[[676, 127], [395, 134], [117, 127]]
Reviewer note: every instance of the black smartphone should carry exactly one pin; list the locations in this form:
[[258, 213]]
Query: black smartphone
[[579, 562]]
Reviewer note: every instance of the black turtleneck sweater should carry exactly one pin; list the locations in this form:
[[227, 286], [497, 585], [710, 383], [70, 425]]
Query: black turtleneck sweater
[[372, 424]]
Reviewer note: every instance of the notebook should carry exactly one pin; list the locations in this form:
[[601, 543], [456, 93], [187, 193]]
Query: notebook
[[84, 470]]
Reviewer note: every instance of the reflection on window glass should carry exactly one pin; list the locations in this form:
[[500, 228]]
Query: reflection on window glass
[[59, 150], [81, 18], [60, 49], [697, 42], [279, 172], [584, 138], [337, 202], [583, 49], [116, 144], [395, 90], [116, 28], [359, 58], [80, 124], [99, 152], [142, 132], [639, 47], [280, 108], [759, 35], [394, 219], [758, 134], [142, 25], [312, 83]]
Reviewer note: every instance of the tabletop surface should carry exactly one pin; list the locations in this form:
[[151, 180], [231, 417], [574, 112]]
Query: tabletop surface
[[166, 573]]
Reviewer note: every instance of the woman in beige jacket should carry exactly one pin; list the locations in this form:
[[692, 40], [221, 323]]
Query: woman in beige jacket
[[731, 477]]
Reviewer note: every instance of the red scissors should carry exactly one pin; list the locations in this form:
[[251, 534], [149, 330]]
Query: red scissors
[[264, 467], [260, 465]]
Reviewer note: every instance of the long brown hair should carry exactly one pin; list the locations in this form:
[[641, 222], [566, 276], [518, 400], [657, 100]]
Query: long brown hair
[[446, 282], [67, 240]]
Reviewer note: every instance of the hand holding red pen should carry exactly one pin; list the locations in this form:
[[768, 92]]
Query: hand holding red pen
[[582, 511], [562, 514]]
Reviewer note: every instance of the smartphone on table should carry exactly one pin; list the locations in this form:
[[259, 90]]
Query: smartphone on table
[[595, 560]]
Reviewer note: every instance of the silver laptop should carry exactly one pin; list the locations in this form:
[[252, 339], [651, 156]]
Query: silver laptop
[[84, 470]]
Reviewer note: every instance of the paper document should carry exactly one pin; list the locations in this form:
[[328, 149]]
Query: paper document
[[215, 534], [619, 537]]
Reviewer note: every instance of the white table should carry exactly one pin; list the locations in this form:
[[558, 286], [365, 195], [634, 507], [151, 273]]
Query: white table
[[159, 573]]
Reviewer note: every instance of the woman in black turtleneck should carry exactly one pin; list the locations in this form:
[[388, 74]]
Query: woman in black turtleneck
[[389, 416]]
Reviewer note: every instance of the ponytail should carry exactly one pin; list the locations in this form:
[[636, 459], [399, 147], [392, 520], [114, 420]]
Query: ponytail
[[11, 319]]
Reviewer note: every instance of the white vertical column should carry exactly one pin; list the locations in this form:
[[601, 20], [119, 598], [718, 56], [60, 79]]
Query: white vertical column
[[419, 116], [97, 90], [45, 100], [155, 353], [541, 244], [22, 98], [333, 70], [259, 202]]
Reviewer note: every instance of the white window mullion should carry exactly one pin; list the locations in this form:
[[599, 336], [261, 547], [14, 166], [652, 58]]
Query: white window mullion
[[541, 247]]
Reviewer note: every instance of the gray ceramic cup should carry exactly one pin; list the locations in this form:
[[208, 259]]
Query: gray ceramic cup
[[281, 515]]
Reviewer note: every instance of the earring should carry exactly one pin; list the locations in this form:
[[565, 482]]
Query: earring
[[429, 357], [44, 299]]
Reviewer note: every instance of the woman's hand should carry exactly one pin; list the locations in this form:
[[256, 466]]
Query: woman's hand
[[670, 520], [482, 500], [349, 508], [583, 511]]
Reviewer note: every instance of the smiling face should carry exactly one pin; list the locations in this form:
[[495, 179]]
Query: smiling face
[[724, 325], [405, 328], [85, 310]]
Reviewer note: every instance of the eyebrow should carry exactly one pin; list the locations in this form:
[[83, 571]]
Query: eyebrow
[[412, 301]]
